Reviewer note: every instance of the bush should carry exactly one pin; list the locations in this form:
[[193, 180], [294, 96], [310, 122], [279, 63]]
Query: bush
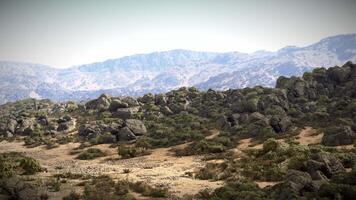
[[126, 151], [270, 145], [6, 169], [30, 165], [90, 154], [146, 190]]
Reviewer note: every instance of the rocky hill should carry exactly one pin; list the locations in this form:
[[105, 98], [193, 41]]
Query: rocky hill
[[269, 118], [164, 71]]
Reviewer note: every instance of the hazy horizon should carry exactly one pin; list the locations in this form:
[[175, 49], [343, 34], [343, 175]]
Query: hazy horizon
[[68, 33]]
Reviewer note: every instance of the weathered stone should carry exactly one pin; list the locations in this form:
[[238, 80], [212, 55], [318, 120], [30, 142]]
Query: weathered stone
[[126, 113], [125, 134], [326, 163], [63, 126], [101, 104], [165, 110], [116, 104], [280, 124], [11, 125], [136, 126], [339, 136]]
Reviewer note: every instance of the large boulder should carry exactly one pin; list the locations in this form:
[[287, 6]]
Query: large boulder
[[125, 134], [136, 126], [161, 100], [63, 126], [101, 104], [338, 74], [280, 124], [89, 130], [295, 185], [336, 136], [323, 165], [11, 125], [26, 126], [116, 104], [132, 102], [126, 113]]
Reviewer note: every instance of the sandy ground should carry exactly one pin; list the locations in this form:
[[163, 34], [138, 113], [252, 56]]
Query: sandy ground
[[309, 136], [160, 167]]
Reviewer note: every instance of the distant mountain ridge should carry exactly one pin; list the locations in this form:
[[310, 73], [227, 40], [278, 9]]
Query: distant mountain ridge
[[163, 71]]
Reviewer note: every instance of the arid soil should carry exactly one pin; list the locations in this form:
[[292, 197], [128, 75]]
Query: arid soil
[[160, 167]]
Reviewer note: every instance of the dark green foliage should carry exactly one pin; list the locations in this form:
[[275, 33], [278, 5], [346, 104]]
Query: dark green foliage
[[90, 154], [15, 163], [238, 190], [130, 151], [167, 131], [30, 165]]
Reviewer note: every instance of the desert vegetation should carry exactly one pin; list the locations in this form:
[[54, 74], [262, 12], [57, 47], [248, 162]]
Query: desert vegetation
[[209, 126]]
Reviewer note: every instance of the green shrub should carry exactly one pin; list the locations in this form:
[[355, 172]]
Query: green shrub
[[30, 165], [6, 169], [130, 151], [270, 145], [91, 153]]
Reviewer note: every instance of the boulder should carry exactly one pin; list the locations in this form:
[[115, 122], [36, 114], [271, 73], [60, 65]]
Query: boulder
[[136, 126], [165, 110], [256, 116], [338, 74], [336, 136], [132, 102], [297, 180], [101, 104], [126, 113], [125, 134], [323, 165], [89, 130], [116, 104], [63, 126], [11, 125], [161, 100], [43, 120], [280, 124]]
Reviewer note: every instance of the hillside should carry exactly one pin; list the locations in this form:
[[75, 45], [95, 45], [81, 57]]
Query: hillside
[[289, 142], [164, 71]]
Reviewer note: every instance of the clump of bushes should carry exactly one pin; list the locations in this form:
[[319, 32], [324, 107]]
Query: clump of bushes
[[215, 145], [242, 189], [16, 163], [130, 151], [104, 187], [147, 190], [30, 165], [91, 153]]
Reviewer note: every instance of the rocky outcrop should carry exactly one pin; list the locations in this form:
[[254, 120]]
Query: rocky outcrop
[[136, 126], [101, 104], [126, 113], [336, 136], [322, 166]]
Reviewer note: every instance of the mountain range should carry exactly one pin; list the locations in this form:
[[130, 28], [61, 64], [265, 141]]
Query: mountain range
[[163, 71]]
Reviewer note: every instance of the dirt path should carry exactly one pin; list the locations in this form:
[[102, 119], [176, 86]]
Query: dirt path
[[160, 167], [215, 133], [309, 136]]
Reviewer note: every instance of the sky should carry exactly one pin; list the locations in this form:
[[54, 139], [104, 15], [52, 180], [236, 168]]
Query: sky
[[65, 33]]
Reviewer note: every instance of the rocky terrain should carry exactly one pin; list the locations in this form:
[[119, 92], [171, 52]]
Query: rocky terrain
[[161, 72], [294, 141]]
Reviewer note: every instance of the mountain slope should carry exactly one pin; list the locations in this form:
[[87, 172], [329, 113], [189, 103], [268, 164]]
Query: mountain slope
[[164, 71]]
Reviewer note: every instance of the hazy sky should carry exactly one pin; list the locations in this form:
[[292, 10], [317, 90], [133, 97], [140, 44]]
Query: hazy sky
[[71, 32]]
